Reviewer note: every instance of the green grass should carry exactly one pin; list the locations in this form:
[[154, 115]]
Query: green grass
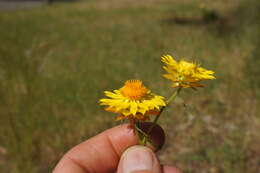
[[56, 61]]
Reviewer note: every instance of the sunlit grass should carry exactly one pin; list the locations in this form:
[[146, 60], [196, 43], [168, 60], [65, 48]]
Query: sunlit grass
[[56, 61]]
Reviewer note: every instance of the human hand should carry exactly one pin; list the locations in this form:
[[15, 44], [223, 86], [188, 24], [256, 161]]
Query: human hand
[[114, 150]]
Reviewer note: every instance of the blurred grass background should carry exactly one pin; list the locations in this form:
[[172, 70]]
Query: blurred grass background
[[56, 61]]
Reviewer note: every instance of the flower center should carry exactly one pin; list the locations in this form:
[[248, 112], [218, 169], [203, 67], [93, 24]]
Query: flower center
[[134, 89]]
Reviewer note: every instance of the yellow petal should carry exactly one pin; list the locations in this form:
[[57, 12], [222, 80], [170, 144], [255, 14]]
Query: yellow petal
[[133, 107]]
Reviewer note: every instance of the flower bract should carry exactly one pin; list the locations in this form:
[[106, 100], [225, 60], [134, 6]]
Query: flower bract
[[185, 74], [133, 101]]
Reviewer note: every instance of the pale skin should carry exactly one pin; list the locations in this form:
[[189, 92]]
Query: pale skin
[[102, 154]]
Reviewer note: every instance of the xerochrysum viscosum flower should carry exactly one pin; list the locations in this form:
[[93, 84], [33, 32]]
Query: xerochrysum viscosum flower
[[185, 74], [133, 101]]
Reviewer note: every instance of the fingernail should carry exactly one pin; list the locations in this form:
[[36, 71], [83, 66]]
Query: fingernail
[[137, 158]]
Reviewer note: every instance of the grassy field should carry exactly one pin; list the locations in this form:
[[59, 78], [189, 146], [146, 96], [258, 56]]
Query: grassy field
[[56, 61]]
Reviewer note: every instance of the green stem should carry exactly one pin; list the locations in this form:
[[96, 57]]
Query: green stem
[[172, 97], [141, 134], [140, 131], [144, 137]]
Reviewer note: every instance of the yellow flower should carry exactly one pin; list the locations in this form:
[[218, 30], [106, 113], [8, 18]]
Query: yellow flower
[[133, 101], [185, 74]]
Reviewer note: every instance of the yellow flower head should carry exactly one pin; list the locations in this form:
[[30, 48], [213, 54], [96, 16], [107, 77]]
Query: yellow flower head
[[133, 101], [185, 74]]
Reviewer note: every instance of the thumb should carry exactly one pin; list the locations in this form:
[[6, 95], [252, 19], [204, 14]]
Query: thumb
[[138, 159]]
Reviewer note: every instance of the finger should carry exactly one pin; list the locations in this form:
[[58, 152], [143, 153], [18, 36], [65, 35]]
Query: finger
[[100, 153], [156, 134], [170, 169], [139, 159], [166, 169]]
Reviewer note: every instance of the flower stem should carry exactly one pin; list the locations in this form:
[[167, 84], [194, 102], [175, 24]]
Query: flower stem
[[172, 97], [144, 137], [141, 134]]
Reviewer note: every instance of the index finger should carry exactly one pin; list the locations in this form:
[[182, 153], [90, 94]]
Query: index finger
[[100, 153]]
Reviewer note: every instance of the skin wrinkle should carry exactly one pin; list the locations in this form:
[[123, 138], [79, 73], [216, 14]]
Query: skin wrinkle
[[94, 148], [118, 147], [113, 148], [112, 145], [90, 150], [100, 154], [82, 166], [113, 157]]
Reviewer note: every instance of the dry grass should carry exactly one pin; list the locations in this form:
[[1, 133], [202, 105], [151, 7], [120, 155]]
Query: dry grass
[[56, 61]]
